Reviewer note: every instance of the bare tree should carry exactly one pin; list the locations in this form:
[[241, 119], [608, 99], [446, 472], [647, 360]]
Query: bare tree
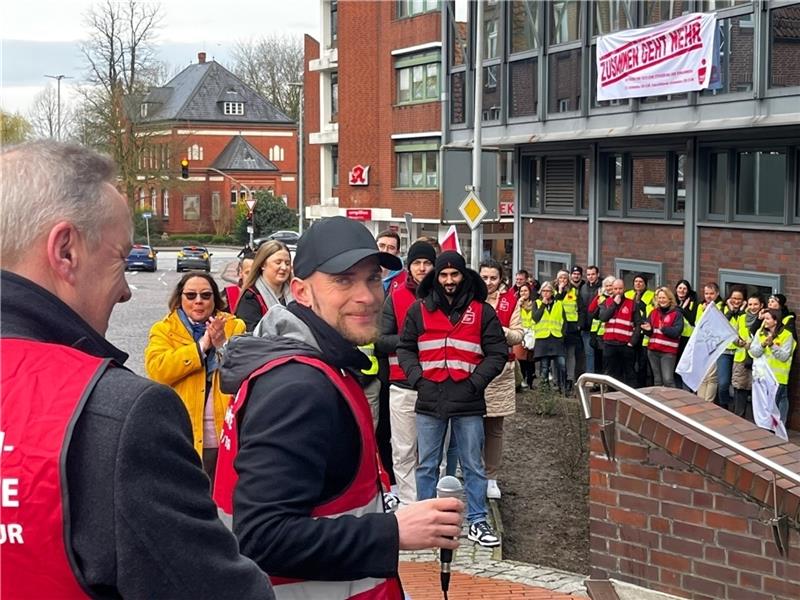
[[121, 65], [44, 113], [269, 64]]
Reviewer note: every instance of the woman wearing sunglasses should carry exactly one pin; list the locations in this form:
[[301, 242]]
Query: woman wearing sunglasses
[[183, 353]]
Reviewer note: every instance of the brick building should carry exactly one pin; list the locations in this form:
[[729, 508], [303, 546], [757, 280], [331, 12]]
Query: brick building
[[234, 139]]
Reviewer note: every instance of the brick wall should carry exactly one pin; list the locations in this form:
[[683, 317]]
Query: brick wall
[[676, 513], [553, 235]]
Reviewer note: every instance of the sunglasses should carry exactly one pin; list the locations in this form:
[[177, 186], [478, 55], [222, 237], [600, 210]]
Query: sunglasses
[[203, 295]]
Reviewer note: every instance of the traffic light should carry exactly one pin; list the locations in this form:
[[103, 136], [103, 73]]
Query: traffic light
[[185, 168]]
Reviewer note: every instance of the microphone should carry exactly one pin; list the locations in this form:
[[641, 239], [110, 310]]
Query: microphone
[[448, 487]]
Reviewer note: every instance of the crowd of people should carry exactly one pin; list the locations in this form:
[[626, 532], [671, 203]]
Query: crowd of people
[[338, 385]]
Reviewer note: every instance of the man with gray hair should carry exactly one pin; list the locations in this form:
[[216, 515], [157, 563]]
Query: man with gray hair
[[107, 497]]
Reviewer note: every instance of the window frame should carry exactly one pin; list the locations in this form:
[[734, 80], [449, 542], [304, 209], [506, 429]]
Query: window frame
[[726, 277], [563, 258], [771, 92], [234, 109], [422, 148], [407, 64], [195, 199], [635, 265], [427, 7]]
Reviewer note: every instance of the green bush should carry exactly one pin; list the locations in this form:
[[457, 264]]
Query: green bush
[[269, 214]]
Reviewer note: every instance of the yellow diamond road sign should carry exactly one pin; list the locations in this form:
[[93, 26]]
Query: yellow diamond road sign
[[473, 210]]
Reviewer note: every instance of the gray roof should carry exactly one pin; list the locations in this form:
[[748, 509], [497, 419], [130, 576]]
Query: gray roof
[[241, 155], [197, 94]]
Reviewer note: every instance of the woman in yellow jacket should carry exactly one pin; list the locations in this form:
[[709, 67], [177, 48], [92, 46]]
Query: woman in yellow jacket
[[183, 354]]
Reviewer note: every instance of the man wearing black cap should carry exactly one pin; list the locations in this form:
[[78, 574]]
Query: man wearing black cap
[[300, 432], [402, 397], [451, 347]]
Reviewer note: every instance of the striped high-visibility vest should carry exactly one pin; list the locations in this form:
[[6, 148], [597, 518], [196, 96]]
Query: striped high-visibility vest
[[658, 341], [648, 298], [598, 326], [733, 319], [552, 322], [619, 327], [744, 333], [448, 351], [402, 299], [780, 368]]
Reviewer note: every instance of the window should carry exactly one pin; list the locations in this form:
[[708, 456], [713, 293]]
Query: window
[[458, 98], [648, 183], [784, 46], [507, 168], [195, 152], [760, 184], [626, 269], [491, 26], [491, 93], [679, 204], [334, 14], [523, 95], [233, 108], [560, 185], [334, 95], [735, 72], [613, 15], [409, 8], [709, 5], [335, 165], [142, 196], [417, 164], [215, 208], [586, 173], [191, 208], [143, 110], [234, 197], [524, 26], [154, 200], [718, 183], [529, 185], [165, 203], [458, 12], [418, 78], [564, 81], [548, 264], [656, 11], [765, 284], [595, 102], [565, 21], [615, 183], [276, 153]]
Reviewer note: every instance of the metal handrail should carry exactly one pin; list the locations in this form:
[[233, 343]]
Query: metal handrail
[[682, 419]]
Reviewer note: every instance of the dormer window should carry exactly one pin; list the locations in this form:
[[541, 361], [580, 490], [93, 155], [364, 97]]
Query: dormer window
[[233, 108], [143, 109]]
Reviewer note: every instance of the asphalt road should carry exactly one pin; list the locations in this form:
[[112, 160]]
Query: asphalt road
[[130, 322]]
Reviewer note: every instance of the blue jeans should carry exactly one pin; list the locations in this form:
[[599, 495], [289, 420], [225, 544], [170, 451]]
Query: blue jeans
[[559, 366], [468, 433], [782, 401], [724, 373], [586, 336]]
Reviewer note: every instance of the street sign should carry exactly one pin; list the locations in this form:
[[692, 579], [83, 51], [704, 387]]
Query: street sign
[[473, 210], [250, 204], [249, 229], [147, 215]]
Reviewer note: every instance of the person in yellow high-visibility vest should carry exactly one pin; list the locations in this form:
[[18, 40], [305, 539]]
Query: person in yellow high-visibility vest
[[549, 324], [775, 342], [742, 376]]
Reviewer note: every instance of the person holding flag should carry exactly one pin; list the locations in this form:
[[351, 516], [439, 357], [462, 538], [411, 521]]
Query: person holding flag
[[775, 343]]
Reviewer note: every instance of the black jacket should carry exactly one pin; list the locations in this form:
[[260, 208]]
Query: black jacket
[[389, 337], [587, 293], [249, 309], [299, 447], [450, 398], [142, 522]]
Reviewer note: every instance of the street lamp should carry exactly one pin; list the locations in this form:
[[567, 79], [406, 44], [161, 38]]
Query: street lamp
[[58, 78], [301, 186]]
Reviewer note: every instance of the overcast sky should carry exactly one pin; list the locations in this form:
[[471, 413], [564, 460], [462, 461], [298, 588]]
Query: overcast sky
[[41, 37]]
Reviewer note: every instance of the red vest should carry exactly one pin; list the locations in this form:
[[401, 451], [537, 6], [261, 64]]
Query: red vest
[[260, 299], [233, 292], [398, 282], [447, 350], [44, 389], [402, 299], [658, 341], [363, 496], [620, 327], [506, 303]]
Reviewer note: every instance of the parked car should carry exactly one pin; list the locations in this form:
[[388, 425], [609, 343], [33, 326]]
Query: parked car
[[141, 257], [194, 257], [287, 237]]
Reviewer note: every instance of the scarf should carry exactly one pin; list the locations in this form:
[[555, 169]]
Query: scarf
[[198, 330], [270, 299]]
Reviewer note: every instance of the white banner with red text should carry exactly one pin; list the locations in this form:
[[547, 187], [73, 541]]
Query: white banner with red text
[[670, 58]]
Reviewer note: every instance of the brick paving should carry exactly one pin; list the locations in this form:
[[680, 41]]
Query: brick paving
[[421, 582]]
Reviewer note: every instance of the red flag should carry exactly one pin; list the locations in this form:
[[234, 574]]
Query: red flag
[[450, 240]]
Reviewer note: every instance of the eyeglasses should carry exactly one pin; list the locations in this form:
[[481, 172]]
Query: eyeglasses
[[203, 295]]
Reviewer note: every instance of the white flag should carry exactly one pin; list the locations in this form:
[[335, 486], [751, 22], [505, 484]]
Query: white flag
[[765, 387], [709, 339]]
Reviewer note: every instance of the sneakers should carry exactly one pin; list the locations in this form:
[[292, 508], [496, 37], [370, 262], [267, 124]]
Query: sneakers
[[492, 491], [483, 535]]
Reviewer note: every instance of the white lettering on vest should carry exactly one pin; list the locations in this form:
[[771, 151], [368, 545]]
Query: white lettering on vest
[[11, 533]]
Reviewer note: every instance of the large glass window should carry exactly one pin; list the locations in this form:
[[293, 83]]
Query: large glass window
[[735, 57], [760, 184], [492, 92], [334, 95], [417, 164], [615, 183], [784, 50], [191, 208], [524, 26], [648, 183], [459, 31], [523, 87], [409, 8], [564, 81], [417, 78], [458, 98], [507, 168], [564, 20], [595, 102], [679, 201], [613, 15], [718, 179], [655, 11], [491, 30], [548, 264], [335, 165], [334, 22], [709, 5]]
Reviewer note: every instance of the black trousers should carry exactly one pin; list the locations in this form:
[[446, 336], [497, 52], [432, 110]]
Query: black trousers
[[618, 362]]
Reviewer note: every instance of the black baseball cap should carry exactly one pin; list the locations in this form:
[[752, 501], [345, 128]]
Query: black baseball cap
[[335, 244]]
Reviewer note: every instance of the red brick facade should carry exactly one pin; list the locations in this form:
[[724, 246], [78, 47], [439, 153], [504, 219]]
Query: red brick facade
[[678, 513]]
